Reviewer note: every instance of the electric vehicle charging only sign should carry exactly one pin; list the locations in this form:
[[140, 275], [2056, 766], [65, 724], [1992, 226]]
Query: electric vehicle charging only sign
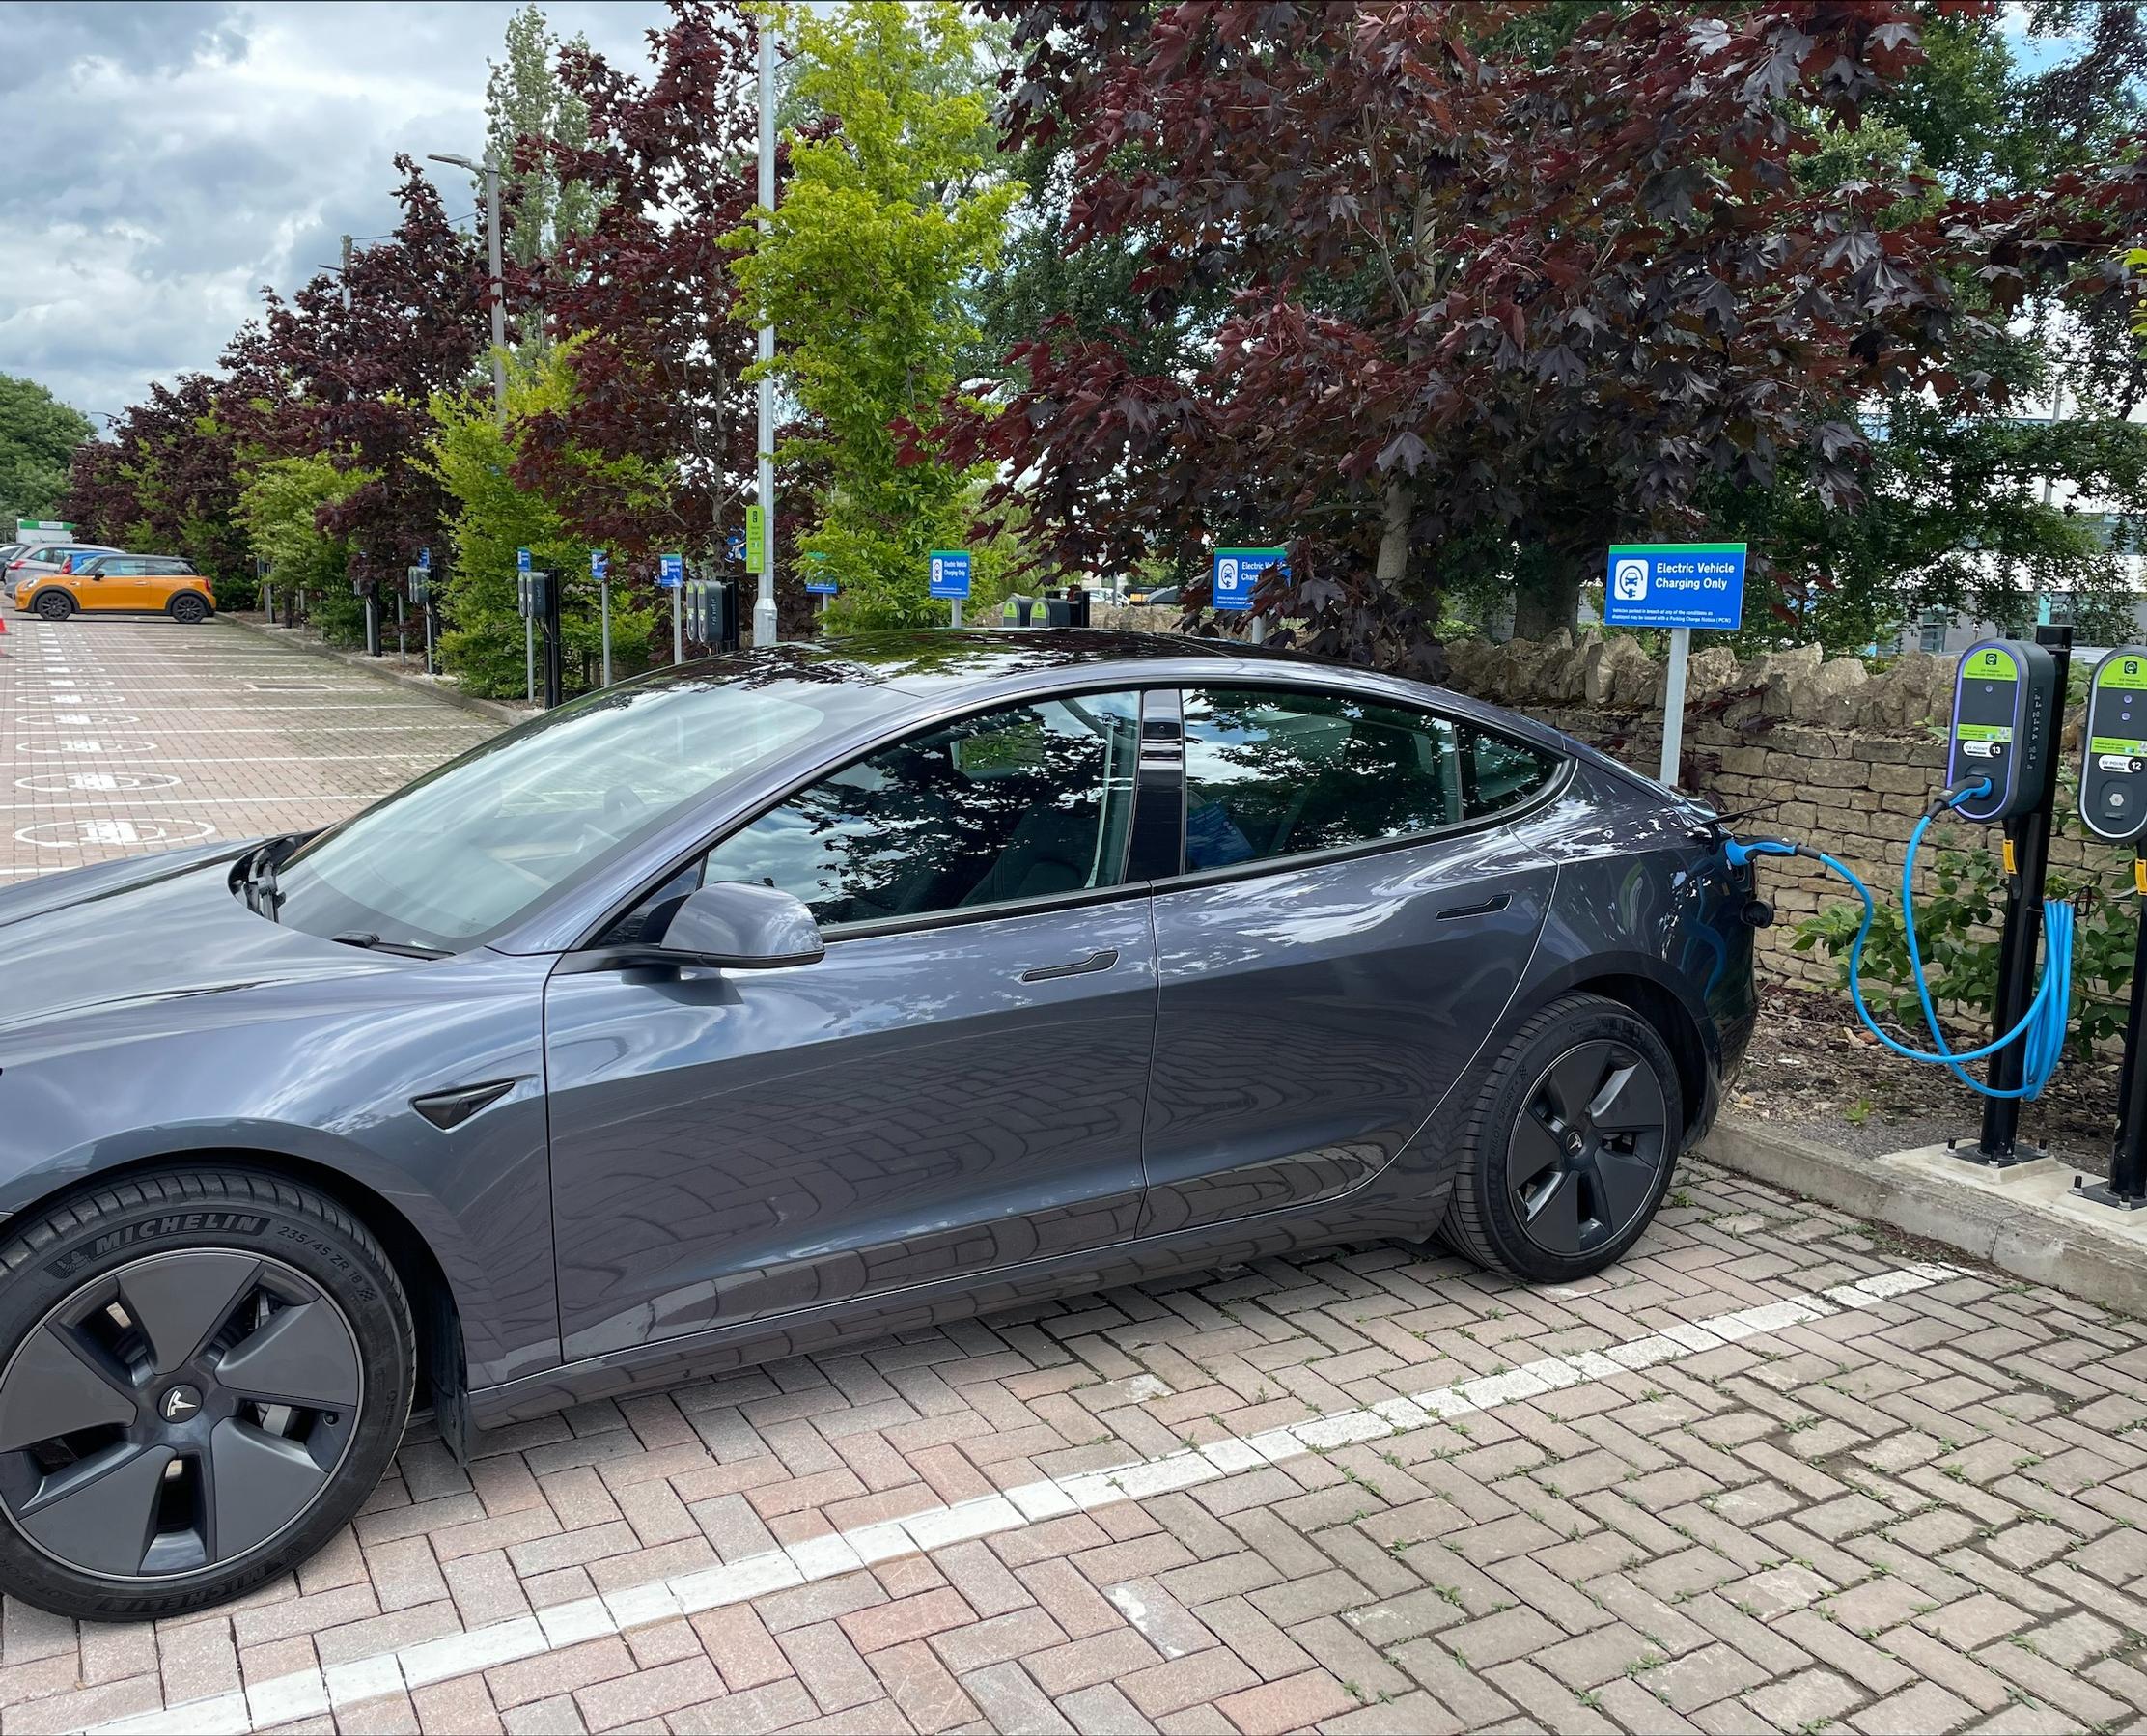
[[1675, 584]]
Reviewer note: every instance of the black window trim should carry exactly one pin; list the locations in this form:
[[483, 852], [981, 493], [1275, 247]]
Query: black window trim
[[1191, 879], [834, 933]]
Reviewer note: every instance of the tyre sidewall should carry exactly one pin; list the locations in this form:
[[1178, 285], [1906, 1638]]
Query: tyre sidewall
[[1507, 1095], [258, 1216]]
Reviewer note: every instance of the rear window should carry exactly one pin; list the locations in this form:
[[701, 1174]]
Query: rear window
[[1272, 773]]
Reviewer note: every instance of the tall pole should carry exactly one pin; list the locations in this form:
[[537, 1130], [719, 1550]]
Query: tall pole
[[345, 276], [491, 177], [763, 604]]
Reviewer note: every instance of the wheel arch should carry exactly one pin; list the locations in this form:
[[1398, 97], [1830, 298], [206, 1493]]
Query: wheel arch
[[433, 1309], [1675, 1023]]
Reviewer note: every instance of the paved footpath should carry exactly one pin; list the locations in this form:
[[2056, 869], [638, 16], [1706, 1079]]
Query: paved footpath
[[1772, 1472]]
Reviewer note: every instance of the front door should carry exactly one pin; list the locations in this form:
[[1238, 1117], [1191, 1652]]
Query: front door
[[117, 583], [959, 1084], [1351, 923]]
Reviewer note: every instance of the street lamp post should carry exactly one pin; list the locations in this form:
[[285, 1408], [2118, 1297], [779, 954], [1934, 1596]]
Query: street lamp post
[[487, 172], [764, 604]]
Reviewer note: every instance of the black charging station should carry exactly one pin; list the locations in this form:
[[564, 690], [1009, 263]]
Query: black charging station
[[2006, 709], [2008, 700], [2113, 806]]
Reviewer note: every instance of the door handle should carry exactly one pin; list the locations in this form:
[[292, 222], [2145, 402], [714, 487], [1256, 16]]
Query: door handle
[[1491, 906], [1095, 961]]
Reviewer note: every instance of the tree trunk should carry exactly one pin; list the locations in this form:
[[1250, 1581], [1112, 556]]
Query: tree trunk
[[1397, 509]]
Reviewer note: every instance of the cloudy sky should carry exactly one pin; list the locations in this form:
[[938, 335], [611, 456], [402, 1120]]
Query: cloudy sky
[[165, 159]]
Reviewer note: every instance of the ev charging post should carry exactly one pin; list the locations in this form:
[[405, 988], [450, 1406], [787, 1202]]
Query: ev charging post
[[420, 585], [1679, 586], [950, 578], [2008, 701], [2113, 806]]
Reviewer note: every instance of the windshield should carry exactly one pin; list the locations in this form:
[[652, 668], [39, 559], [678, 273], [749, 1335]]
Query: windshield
[[462, 852]]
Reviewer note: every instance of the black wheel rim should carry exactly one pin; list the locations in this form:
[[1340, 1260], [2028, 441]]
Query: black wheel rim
[[175, 1415], [1588, 1149], [52, 608]]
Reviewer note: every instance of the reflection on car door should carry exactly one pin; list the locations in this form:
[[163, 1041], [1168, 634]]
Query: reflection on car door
[[1320, 992], [957, 1085]]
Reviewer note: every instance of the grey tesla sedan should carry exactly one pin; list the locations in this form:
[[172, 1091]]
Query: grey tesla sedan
[[789, 1000]]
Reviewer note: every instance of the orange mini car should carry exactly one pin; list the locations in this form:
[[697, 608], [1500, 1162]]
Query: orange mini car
[[152, 584]]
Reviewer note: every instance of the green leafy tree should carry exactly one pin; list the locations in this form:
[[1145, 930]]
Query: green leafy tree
[[37, 438], [891, 210], [280, 506], [491, 518]]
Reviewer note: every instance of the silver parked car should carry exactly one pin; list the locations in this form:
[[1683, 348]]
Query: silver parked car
[[38, 560]]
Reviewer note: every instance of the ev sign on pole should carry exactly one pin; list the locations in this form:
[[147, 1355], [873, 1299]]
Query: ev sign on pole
[[755, 538], [671, 576], [529, 620], [950, 578], [1236, 574], [600, 569], [1679, 586], [820, 584]]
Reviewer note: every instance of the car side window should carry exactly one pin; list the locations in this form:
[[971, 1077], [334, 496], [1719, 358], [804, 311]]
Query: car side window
[[1273, 772], [1017, 804]]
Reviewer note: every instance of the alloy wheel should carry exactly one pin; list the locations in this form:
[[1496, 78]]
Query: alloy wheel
[[177, 1413], [53, 606], [1588, 1148]]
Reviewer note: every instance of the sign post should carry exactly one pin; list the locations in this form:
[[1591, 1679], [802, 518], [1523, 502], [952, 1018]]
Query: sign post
[[1234, 577], [671, 576], [950, 578], [600, 569], [820, 584], [529, 620], [1679, 586]]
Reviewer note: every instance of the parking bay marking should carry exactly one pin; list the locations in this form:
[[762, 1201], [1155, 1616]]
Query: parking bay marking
[[311, 1692]]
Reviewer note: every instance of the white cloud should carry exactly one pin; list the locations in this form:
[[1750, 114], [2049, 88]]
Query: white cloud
[[162, 161]]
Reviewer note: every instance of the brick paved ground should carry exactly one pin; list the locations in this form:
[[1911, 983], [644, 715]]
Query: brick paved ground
[[124, 735], [1770, 1472]]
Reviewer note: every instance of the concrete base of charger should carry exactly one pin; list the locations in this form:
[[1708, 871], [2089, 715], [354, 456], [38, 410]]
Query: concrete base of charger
[[2029, 1220]]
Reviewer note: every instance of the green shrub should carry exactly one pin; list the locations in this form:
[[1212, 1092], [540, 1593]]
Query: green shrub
[[1956, 933]]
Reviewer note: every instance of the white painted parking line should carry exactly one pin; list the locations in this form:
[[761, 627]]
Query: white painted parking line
[[311, 1692], [81, 834]]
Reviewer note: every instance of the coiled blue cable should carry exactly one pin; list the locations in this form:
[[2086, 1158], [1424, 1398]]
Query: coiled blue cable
[[2041, 1031]]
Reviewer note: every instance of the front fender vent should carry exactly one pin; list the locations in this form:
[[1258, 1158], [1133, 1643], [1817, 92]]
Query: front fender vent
[[449, 1109]]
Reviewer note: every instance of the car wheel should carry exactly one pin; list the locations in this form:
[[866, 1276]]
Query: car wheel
[[1569, 1149], [54, 605], [189, 609], [202, 1374]]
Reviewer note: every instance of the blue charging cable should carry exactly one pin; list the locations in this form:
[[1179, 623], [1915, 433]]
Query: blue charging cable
[[2041, 1031]]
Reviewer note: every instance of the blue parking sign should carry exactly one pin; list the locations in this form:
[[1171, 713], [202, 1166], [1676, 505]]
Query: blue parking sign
[[521, 560], [425, 560], [950, 573], [1237, 575], [671, 570], [1675, 584], [599, 564]]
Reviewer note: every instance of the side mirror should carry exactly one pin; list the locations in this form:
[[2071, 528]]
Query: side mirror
[[740, 927]]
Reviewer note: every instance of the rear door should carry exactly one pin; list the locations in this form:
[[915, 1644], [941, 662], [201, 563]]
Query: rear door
[[1351, 918], [956, 1086]]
